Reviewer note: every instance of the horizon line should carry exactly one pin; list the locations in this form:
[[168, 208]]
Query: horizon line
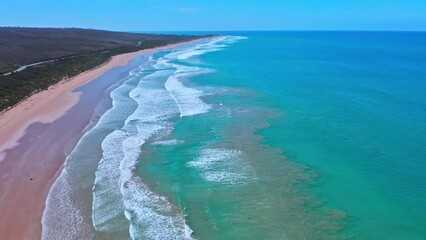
[[233, 30]]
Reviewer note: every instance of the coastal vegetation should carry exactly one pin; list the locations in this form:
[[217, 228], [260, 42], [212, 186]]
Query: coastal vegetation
[[72, 51]]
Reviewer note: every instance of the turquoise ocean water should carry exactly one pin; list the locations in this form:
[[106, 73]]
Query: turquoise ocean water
[[264, 135]]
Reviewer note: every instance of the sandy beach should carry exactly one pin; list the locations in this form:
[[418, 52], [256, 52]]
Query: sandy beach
[[34, 136]]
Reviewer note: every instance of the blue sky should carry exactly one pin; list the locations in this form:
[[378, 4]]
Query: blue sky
[[181, 15]]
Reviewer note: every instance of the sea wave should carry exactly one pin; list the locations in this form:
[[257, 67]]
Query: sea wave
[[61, 218], [107, 207], [149, 215], [187, 99]]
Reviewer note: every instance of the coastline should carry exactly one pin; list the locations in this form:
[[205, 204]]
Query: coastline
[[14, 121], [32, 153]]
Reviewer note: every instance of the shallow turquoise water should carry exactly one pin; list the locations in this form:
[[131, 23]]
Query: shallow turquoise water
[[333, 120]]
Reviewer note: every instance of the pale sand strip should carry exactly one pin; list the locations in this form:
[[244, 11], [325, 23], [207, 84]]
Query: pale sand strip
[[49, 105]]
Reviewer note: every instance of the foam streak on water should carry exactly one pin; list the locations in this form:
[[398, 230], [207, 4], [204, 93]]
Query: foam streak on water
[[150, 216], [107, 201], [189, 99], [225, 166]]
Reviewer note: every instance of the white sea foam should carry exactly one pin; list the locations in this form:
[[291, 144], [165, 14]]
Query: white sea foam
[[233, 39], [157, 105], [107, 201], [225, 166], [187, 99], [210, 158], [184, 55], [150, 216], [167, 142], [61, 219], [224, 177], [134, 72], [195, 51], [213, 45], [162, 64]]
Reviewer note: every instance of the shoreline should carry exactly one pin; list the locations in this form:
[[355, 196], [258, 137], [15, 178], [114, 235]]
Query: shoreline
[[32, 144], [30, 110]]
